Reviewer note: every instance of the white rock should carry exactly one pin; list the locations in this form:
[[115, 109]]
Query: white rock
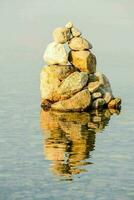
[[69, 25], [55, 54]]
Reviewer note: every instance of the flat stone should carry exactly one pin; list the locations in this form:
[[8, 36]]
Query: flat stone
[[84, 60], [96, 95], [72, 84], [61, 35], [79, 102], [69, 25], [93, 86], [114, 103], [75, 32], [98, 103], [55, 54], [51, 78], [79, 43]]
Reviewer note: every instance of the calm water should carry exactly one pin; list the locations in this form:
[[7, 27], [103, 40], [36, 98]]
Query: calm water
[[46, 155]]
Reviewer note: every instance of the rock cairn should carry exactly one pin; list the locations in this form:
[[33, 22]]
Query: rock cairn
[[70, 82]]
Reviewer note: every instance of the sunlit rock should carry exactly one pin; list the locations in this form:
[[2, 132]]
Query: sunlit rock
[[61, 35], [72, 84], [83, 60], [114, 103], [93, 86], [78, 102], [79, 43], [75, 32], [51, 78], [69, 25]]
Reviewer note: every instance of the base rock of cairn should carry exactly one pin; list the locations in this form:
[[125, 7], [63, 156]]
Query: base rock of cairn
[[70, 82]]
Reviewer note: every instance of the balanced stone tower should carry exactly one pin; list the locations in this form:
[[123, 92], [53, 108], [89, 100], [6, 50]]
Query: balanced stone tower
[[70, 81]]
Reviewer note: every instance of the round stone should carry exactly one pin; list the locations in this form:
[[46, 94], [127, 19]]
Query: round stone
[[79, 43], [69, 25], [61, 35]]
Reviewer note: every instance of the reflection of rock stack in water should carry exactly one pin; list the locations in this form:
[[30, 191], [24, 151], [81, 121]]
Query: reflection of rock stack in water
[[74, 87], [69, 138]]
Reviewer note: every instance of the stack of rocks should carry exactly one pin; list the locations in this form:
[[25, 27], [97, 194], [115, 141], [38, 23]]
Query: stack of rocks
[[75, 86]]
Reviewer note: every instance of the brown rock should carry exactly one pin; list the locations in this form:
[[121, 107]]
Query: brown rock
[[83, 60], [93, 86], [114, 103], [72, 84], [51, 78], [79, 43], [78, 102], [61, 35]]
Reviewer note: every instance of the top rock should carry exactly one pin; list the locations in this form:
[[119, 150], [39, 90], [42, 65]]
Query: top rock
[[75, 32], [69, 25]]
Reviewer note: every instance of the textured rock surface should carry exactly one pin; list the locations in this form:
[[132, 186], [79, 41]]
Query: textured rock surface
[[61, 35], [75, 32], [51, 78], [93, 86], [83, 60], [55, 54], [79, 43], [72, 84], [78, 102]]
